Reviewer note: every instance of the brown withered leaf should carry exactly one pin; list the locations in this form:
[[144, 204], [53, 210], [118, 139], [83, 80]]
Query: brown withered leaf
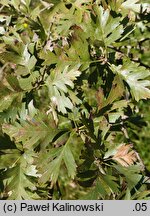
[[125, 155], [100, 97]]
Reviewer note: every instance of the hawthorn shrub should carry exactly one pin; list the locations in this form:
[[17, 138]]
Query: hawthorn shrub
[[73, 78]]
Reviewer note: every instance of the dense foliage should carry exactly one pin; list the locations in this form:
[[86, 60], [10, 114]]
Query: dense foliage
[[74, 77]]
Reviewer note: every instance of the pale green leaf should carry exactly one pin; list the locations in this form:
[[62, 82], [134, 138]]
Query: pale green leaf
[[58, 83], [18, 185], [69, 161], [7, 97], [27, 83], [31, 63], [108, 29], [134, 75], [131, 5], [52, 171], [115, 35], [9, 157], [131, 173]]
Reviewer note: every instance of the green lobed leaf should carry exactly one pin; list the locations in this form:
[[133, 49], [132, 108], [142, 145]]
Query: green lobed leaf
[[30, 132], [54, 161], [18, 184], [58, 83]]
